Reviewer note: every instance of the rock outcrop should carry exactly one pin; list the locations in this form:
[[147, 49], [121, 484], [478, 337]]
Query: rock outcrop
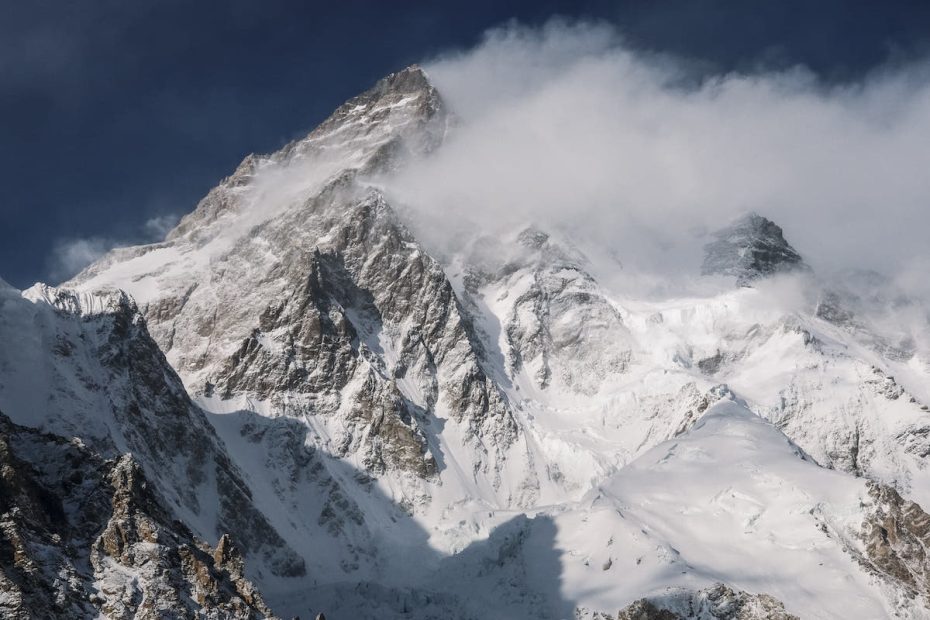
[[109, 384], [84, 537], [717, 603], [896, 534], [752, 247]]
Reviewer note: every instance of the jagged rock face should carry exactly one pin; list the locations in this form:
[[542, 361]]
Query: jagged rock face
[[896, 534], [368, 298], [717, 603], [81, 537], [110, 385], [751, 248], [318, 301]]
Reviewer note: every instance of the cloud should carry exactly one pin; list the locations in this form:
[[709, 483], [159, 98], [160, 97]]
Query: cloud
[[70, 255], [566, 128], [159, 226]]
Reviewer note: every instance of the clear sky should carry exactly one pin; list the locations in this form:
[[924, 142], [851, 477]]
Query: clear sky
[[117, 116]]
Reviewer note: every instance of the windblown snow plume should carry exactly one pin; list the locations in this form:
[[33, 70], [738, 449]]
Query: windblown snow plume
[[565, 126]]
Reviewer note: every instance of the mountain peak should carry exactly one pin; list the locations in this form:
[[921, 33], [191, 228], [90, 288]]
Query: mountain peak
[[407, 93], [401, 114], [750, 248], [410, 79]]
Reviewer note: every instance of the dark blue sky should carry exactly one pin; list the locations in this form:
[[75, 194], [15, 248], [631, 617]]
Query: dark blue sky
[[112, 112]]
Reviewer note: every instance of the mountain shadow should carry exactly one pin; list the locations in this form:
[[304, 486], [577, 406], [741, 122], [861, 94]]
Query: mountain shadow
[[367, 555]]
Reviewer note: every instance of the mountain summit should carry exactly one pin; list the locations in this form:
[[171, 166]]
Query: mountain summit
[[750, 248]]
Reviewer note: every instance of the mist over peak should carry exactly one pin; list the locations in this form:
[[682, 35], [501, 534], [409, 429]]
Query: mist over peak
[[565, 127]]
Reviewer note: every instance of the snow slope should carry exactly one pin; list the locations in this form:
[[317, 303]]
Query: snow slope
[[732, 501]]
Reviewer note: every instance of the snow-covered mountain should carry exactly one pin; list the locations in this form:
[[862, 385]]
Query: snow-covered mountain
[[388, 429]]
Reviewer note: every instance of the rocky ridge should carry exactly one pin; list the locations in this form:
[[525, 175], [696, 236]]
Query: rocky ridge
[[83, 365], [713, 603], [84, 537]]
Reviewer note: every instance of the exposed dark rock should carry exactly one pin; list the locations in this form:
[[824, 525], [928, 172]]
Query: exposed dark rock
[[896, 533], [710, 365], [720, 602], [752, 247], [151, 414], [644, 609], [831, 308], [82, 537]]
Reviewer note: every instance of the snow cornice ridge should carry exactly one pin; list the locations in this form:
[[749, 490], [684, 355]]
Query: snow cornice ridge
[[106, 301]]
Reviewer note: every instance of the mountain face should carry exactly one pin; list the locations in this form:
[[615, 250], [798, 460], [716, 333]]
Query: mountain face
[[385, 429], [83, 365]]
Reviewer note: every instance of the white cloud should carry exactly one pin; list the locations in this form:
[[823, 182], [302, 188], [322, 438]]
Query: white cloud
[[158, 227], [69, 256], [564, 127]]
